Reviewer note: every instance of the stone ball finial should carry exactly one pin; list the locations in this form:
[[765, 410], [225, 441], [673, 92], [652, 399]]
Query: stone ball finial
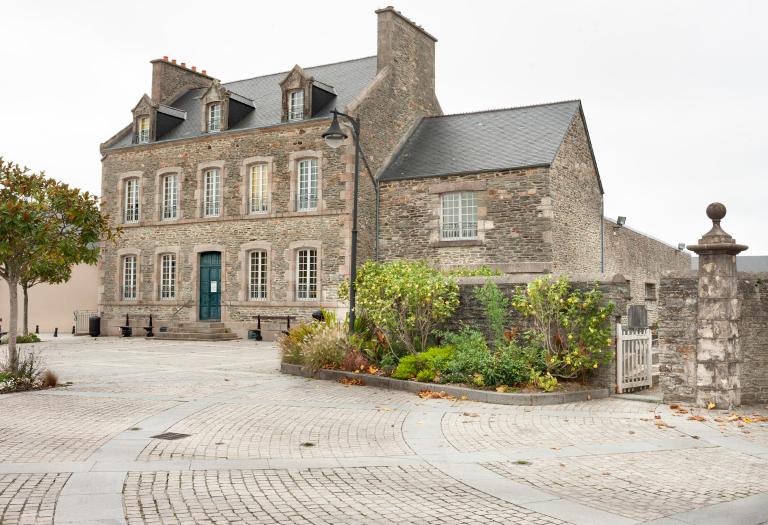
[[716, 211]]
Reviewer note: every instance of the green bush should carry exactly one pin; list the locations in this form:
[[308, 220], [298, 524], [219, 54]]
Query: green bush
[[496, 306], [326, 347], [569, 327], [405, 300], [22, 339], [481, 271], [424, 366], [471, 358]]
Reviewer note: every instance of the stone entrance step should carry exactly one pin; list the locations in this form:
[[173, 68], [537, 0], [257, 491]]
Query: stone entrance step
[[203, 331]]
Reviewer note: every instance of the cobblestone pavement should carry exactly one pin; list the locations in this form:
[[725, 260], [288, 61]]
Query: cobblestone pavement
[[269, 448]]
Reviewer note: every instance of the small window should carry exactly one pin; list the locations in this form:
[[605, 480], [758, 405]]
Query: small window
[[259, 194], [306, 274], [306, 198], [214, 117], [129, 277], [459, 217], [296, 105], [650, 291], [168, 276], [170, 196], [131, 212], [257, 275], [211, 194], [143, 130]]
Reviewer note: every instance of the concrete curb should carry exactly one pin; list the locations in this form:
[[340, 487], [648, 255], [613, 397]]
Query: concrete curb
[[471, 394]]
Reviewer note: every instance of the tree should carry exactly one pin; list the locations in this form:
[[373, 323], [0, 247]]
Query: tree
[[43, 224], [47, 270]]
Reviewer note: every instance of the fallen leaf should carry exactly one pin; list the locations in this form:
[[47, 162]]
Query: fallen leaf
[[711, 405], [349, 381], [695, 437], [697, 418], [555, 448], [502, 388], [430, 394], [674, 407], [470, 414], [682, 411], [656, 417]]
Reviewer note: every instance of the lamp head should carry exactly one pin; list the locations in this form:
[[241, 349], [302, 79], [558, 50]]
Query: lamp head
[[334, 136], [621, 220]]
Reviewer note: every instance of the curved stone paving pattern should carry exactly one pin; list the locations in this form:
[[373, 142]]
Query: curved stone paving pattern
[[386, 495], [263, 431], [471, 431], [29, 498], [379, 456], [39, 427], [646, 485]]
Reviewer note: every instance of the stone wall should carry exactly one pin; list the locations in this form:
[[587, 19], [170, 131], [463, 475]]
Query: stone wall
[[678, 304], [514, 221], [576, 200], [472, 313], [642, 260]]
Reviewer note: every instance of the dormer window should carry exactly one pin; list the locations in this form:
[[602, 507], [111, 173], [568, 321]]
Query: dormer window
[[214, 117], [296, 105], [143, 130]]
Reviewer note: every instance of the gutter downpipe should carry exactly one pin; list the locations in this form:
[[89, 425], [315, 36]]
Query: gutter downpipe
[[376, 191], [602, 234]]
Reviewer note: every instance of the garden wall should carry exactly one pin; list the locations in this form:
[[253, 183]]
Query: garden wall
[[472, 313], [678, 307]]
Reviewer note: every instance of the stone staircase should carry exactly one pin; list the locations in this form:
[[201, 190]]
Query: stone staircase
[[199, 331]]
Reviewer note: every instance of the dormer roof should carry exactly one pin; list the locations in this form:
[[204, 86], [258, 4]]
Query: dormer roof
[[345, 80]]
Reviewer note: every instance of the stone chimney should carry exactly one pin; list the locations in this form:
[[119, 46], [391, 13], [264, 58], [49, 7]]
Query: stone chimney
[[405, 46], [171, 80]]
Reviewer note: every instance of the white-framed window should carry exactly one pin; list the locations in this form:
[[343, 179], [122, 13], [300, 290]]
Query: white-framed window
[[168, 276], [306, 274], [296, 105], [143, 130], [306, 195], [129, 278], [257, 275], [131, 210], [170, 196], [258, 198], [214, 117], [211, 193], [459, 216]]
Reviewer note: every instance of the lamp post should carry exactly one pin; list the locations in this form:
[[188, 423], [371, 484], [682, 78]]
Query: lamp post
[[334, 136]]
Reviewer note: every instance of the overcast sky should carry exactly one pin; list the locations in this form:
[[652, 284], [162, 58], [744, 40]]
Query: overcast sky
[[675, 93]]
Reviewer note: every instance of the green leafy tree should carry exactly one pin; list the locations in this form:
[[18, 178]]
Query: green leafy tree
[[406, 300], [44, 224]]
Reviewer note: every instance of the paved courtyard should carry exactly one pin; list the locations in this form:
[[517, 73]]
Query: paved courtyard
[[267, 448]]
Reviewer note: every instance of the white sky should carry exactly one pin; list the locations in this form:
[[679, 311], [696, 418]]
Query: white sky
[[674, 91]]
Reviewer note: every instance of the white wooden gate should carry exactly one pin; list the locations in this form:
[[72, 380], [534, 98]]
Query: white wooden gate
[[633, 359], [81, 321]]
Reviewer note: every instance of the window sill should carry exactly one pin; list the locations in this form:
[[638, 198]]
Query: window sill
[[457, 242]]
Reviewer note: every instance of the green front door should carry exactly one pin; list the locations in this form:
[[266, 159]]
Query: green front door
[[210, 286]]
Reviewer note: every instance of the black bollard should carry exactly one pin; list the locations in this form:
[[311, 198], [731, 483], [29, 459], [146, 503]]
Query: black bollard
[[56, 332], [73, 330], [37, 329]]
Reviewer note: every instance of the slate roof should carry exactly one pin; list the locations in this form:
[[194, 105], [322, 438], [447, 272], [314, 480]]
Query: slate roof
[[483, 141], [347, 78], [744, 263]]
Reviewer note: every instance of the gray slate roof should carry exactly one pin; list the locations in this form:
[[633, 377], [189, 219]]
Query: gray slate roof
[[347, 78], [484, 141], [744, 263]]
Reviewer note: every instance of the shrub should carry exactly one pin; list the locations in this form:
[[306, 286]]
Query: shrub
[[22, 339], [512, 365], [425, 366], [472, 356], [29, 374], [50, 379], [354, 361], [570, 327], [405, 300], [326, 347], [482, 271], [496, 305], [291, 345]]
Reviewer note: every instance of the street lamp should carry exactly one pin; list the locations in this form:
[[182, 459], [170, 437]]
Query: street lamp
[[334, 136]]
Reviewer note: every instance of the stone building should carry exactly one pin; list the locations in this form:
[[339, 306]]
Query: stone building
[[233, 206]]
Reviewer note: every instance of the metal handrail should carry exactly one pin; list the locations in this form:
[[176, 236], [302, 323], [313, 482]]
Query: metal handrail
[[180, 308]]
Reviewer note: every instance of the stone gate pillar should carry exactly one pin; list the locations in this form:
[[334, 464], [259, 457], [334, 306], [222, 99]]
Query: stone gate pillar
[[718, 359]]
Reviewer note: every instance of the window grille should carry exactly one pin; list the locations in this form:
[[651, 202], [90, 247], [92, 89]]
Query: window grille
[[258, 188], [306, 279], [168, 276], [257, 272], [307, 187], [459, 217], [296, 105], [170, 196], [132, 200], [129, 277], [214, 117], [211, 196]]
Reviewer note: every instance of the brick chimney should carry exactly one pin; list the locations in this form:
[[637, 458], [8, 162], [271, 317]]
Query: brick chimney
[[405, 45], [170, 80]]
